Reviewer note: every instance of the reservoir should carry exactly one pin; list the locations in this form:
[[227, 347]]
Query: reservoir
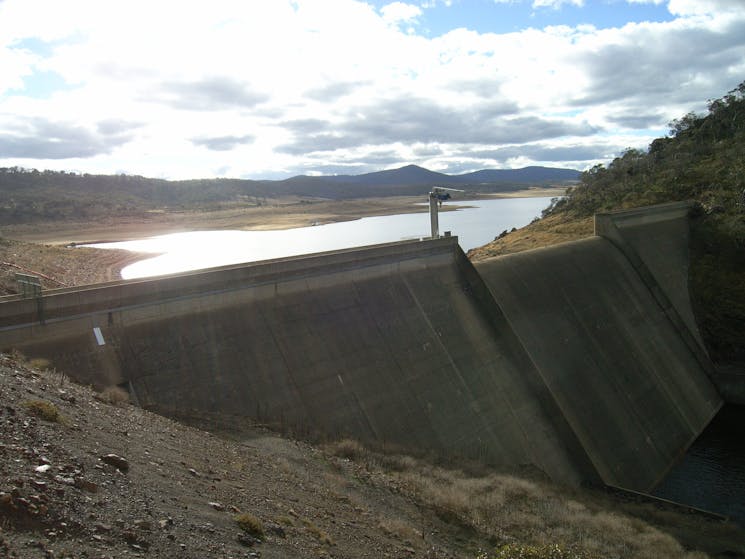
[[711, 475], [474, 226]]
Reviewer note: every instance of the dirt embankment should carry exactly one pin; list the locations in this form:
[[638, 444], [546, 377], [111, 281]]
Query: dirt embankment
[[548, 231], [94, 479], [277, 214], [59, 266], [90, 475]]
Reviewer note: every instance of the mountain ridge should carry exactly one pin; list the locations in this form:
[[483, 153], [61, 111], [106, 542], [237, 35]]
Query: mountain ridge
[[31, 195], [410, 175]]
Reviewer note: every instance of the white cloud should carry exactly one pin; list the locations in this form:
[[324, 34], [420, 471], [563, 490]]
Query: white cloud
[[184, 89], [400, 12], [705, 7], [556, 4]]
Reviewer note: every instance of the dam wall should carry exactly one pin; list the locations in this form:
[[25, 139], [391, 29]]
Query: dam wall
[[560, 359], [631, 388]]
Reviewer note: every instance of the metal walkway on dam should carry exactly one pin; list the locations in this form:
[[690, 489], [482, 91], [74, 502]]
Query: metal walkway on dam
[[582, 359]]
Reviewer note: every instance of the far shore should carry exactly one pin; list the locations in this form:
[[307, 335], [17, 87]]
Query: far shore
[[277, 214]]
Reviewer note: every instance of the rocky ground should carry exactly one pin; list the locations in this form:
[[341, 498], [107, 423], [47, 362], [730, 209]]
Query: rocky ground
[[108, 480], [59, 266]]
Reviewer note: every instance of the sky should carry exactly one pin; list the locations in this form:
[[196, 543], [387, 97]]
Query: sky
[[269, 89]]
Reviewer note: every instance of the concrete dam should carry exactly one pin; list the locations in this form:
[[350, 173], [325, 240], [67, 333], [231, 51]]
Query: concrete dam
[[582, 360]]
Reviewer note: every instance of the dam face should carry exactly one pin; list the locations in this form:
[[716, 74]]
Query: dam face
[[572, 359]]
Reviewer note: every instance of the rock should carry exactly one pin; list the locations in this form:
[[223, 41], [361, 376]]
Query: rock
[[247, 540], [44, 468], [217, 506], [193, 472], [117, 461], [86, 485], [275, 529], [65, 480]]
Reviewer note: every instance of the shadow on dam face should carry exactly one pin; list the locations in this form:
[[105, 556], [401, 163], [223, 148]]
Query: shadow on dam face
[[581, 360]]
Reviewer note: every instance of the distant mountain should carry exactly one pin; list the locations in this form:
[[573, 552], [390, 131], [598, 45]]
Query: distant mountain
[[29, 194], [415, 176], [525, 175]]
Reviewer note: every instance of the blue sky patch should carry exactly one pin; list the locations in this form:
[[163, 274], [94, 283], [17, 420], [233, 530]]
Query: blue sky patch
[[41, 85]]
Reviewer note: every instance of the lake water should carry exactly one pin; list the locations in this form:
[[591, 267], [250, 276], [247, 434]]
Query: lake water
[[711, 475], [180, 252]]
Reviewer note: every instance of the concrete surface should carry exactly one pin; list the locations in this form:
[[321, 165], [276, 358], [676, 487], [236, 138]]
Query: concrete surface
[[565, 359], [632, 390]]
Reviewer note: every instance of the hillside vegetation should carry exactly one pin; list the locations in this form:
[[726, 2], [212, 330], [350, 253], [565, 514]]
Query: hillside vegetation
[[32, 196], [701, 160]]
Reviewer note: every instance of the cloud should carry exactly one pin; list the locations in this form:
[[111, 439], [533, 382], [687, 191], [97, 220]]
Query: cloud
[[625, 64], [210, 94], [544, 152], [699, 7], [223, 143], [334, 91], [116, 127], [422, 121], [556, 4], [43, 139], [279, 86], [400, 12]]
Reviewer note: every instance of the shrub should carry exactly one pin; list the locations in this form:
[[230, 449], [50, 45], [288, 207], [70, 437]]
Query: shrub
[[43, 410], [322, 536], [114, 395], [347, 448], [250, 524], [39, 363], [520, 551]]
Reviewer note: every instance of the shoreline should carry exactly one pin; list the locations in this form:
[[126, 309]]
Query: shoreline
[[283, 214], [54, 248]]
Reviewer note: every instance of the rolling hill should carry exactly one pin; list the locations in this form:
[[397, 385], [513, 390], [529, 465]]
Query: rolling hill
[[30, 195]]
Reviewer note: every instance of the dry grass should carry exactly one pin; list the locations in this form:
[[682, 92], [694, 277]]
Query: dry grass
[[250, 524], [400, 529], [546, 232], [319, 534], [43, 410], [525, 518], [39, 363], [508, 509], [114, 395], [347, 448]]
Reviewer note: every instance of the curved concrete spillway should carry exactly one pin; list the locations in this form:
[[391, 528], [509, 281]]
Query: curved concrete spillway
[[561, 358]]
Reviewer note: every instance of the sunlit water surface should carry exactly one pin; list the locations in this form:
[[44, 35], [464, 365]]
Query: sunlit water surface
[[180, 252]]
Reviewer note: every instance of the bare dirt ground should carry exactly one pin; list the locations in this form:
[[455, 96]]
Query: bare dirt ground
[[85, 475], [176, 491]]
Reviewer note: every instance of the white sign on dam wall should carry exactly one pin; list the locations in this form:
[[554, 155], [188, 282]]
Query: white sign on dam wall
[[572, 359]]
